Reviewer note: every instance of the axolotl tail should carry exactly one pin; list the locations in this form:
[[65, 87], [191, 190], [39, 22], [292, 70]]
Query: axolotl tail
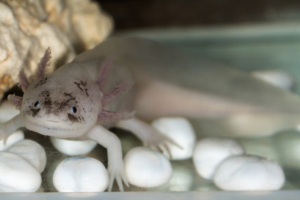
[[169, 82]]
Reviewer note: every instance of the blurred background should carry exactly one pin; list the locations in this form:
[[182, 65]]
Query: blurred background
[[136, 14]]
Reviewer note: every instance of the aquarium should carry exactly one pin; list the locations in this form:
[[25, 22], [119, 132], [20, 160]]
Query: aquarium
[[251, 48]]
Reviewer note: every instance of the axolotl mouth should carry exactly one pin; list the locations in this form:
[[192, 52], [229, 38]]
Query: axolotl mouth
[[53, 128]]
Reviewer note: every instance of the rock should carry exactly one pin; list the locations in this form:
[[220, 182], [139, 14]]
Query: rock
[[31, 151], [80, 174], [72, 147], [24, 39], [245, 172], [210, 152], [179, 130], [82, 20], [15, 137], [145, 167], [17, 174], [29, 27]]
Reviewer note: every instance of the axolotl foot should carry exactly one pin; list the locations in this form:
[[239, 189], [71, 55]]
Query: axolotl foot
[[160, 142], [116, 171], [148, 134]]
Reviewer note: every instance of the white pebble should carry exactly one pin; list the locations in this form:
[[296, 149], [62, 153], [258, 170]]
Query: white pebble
[[31, 151], [179, 130], [210, 152], [145, 167], [80, 174], [7, 111], [17, 175], [241, 173], [15, 137], [72, 147]]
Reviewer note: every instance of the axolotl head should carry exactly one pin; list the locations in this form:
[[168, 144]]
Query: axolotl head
[[62, 104], [66, 104], [61, 107]]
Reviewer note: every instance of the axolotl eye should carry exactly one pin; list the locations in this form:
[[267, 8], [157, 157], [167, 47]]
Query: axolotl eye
[[36, 104], [74, 109]]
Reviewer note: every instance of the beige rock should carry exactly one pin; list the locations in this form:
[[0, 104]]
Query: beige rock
[[29, 27], [82, 20]]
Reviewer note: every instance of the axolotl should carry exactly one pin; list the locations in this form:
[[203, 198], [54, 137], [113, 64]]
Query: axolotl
[[83, 98], [76, 102]]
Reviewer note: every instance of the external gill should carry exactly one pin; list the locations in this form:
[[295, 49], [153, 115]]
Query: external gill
[[106, 116], [40, 73]]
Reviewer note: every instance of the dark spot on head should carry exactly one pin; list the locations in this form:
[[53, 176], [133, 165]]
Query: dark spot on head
[[41, 82], [68, 94], [60, 105], [72, 118], [45, 93], [47, 100], [86, 91], [34, 112], [78, 85], [83, 83], [82, 87]]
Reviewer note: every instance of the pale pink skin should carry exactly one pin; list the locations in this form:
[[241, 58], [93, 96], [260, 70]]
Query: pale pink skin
[[47, 107]]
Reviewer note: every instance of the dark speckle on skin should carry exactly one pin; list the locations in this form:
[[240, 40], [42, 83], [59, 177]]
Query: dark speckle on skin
[[68, 94], [41, 82], [55, 107], [60, 105], [72, 118], [34, 112], [47, 100], [86, 91], [78, 85], [82, 86]]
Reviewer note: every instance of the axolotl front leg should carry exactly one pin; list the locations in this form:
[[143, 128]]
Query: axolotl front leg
[[114, 152]]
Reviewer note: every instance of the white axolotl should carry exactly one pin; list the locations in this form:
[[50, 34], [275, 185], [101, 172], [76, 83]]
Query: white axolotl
[[77, 100]]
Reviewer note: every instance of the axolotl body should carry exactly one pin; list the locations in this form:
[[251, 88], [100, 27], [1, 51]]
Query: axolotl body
[[83, 98], [77, 102]]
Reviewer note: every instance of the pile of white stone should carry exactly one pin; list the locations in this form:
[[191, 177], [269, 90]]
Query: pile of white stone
[[21, 160], [224, 161], [219, 159]]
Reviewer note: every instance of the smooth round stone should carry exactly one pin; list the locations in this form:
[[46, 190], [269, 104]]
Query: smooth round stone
[[245, 172], [31, 151], [7, 111], [210, 152], [12, 139], [145, 167], [17, 175], [179, 130], [80, 174], [72, 147]]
